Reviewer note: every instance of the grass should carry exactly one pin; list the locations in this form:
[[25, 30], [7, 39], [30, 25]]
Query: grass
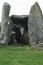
[[20, 55]]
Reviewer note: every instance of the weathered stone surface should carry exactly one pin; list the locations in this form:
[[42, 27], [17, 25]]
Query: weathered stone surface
[[35, 25], [39, 46], [19, 23], [4, 22], [14, 42], [25, 38]]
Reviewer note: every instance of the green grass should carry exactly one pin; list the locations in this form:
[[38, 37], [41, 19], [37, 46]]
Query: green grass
[[20, 55]]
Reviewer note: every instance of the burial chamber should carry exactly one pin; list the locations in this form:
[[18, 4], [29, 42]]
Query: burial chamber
[[19, 29]]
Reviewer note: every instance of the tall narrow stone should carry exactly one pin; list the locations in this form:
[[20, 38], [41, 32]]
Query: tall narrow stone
[[5, 19], [35, 25]]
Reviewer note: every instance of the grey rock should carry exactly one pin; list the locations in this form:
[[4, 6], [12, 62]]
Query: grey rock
[[39, 46], [25, 38], [4, 22], [14, 42], [35, 25]]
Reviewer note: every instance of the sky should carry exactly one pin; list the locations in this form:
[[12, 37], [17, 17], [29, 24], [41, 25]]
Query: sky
[[20, 7]]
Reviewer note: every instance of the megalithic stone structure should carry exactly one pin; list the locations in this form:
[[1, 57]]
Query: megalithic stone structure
[[4, 22], [35, 25]]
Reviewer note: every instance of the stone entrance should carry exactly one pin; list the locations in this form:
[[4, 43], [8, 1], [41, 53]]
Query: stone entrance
[[19, 29]]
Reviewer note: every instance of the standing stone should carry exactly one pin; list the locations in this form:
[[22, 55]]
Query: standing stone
[[4, 25], [35, 25]]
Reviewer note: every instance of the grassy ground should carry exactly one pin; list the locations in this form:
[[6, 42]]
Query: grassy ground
[[20, 55]]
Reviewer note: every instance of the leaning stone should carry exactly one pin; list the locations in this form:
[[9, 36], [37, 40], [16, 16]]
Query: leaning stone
[[35, 25]]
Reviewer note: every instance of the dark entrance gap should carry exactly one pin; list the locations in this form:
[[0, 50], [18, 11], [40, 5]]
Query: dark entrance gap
[[19, 21]]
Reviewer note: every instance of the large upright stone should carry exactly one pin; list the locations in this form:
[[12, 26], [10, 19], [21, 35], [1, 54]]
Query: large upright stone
[[35, 25], [5, 19]]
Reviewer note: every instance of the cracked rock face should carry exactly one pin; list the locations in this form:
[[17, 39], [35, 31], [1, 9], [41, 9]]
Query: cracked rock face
[[35, 25], [5, 19]]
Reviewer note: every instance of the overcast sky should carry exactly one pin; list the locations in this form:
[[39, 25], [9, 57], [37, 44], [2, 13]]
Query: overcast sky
[[20, 7]]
